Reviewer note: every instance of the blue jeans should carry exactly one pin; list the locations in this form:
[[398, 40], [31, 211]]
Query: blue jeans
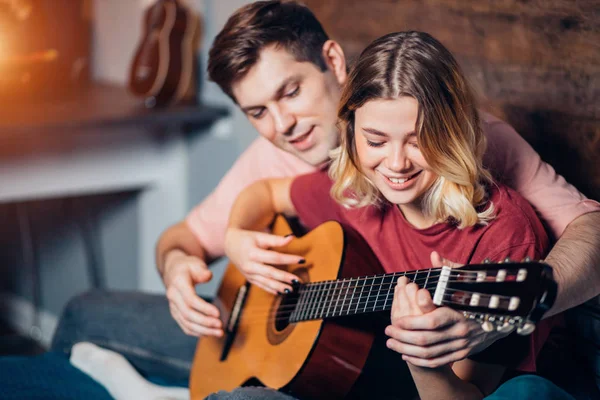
[[529, 387], [49, 376], [137, 325], [523, 387]]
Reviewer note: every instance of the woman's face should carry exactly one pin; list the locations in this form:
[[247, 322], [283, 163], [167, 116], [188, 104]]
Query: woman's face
[[388, 152]]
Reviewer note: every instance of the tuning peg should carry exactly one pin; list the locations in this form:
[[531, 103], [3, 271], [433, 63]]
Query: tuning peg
[[525, 329], [505, 328], [486, 325], [507, 260], [527, 259], [487, 261]]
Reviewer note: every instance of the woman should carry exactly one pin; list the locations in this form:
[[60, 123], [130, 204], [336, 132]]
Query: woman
[[408, 177]]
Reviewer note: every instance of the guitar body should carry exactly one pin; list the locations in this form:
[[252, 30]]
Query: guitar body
[[164, 66], [313, 359], [326, 339]]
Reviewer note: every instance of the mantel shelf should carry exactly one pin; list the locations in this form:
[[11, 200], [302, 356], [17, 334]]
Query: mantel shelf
[[100, 106]]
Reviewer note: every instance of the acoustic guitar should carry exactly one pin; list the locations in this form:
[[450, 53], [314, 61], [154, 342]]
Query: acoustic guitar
[[164, 68], [325, 340]]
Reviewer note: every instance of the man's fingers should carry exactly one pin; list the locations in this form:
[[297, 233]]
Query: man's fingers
[[194, 301], [200, 273], [436, 319], [431, 352], [275, 258]]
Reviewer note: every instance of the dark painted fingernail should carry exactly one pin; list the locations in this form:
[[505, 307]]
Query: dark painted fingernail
[[287, 291], [295, 281], [303, 261]]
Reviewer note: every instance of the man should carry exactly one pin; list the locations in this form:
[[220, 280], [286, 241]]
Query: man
[[278, 65]]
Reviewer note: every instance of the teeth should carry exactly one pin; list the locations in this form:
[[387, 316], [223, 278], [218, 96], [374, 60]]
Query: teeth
[[394, 180]]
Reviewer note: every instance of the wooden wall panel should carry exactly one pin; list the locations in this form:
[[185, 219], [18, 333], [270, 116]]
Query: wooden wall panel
[[534, 63]]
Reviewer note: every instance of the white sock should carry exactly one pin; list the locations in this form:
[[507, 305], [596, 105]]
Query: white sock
[[120, 379]]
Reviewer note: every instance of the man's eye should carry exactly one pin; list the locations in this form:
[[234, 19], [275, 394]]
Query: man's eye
[[374, 144], [258, 114]]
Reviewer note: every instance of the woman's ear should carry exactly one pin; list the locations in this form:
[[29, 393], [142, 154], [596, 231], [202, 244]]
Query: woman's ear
[[336, 60]]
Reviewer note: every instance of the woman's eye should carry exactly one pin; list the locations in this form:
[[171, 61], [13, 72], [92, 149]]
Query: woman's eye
[[293, 93], [414, 144], [374, 144]]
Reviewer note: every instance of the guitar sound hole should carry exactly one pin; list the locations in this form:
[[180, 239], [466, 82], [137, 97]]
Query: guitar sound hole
[[286, 306]]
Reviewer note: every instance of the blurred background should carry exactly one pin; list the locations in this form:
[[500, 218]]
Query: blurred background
[[89, 176]]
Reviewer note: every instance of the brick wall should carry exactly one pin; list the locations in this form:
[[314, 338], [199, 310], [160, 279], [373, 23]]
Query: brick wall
[[534, 63]]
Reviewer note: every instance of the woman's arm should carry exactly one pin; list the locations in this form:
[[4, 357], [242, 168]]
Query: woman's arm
[[465, 379], [247, 248]]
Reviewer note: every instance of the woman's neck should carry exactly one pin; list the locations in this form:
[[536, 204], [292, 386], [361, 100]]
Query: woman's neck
[[413, 213]]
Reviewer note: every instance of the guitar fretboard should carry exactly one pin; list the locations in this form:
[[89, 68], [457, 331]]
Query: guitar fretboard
[[353, 296]]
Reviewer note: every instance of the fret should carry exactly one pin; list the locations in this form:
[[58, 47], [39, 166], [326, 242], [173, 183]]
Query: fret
[[307, 300], [314, 294], [362, 287], [300, 303], [345, 290], [334, 298], [344, 304], [390, 289], [369, 295], [349, 304], [378, 291], [339, 297], [318, 300], [314, 302], [323, 300], [328, 300], [427, 278]]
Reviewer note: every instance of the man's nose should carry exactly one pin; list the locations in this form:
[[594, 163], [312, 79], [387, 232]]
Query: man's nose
[[284, 120]]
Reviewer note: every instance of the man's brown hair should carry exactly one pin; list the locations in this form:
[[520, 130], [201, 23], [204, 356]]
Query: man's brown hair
[[250, 29]]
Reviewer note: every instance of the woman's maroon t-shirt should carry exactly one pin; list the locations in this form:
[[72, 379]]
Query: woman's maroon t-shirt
[[516, 232]]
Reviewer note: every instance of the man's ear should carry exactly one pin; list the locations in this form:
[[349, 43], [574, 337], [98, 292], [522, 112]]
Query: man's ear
[[336, 60]]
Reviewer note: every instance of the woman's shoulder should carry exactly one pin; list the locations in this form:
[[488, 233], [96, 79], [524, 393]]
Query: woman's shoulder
[[514, 214]]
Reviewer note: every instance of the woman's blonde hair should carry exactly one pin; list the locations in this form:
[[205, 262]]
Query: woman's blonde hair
[[448, 126]]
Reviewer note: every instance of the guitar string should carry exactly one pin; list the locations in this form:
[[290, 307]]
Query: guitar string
[[312, 306], [374, 299], [344, 291], [273, 317]]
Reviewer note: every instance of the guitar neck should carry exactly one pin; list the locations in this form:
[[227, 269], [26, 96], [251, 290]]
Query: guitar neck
[[353, 296]]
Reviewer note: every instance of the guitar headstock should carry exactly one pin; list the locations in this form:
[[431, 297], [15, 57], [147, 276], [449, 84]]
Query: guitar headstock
[[501, 296]]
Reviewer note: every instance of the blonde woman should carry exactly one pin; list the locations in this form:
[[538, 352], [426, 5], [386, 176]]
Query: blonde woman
[[409, 178]]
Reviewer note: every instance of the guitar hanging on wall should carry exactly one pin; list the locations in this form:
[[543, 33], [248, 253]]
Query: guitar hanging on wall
[[325, 339], [164, 70]]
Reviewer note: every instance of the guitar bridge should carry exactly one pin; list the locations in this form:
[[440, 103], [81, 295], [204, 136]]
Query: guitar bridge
[[234, 319]]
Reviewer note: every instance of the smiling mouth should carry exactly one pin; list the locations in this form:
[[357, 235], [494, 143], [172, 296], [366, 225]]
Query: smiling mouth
[[402, 180], [302, 137]]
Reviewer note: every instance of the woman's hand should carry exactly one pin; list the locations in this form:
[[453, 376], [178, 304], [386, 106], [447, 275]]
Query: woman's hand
[[431, 336], [249, 251]]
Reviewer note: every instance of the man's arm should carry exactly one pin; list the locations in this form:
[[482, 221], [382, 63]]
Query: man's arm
[[575, 259], [184, 250], [570, 216], [177, 239]]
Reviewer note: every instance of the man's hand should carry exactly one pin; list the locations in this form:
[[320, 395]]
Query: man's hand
[[195, 316], [248, 250], [429, 336]]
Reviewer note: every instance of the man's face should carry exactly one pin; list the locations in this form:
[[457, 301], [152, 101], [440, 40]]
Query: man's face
[[292, 104]]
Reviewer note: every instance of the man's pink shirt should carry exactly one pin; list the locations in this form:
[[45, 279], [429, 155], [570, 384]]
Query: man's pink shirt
[[509, 157]]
